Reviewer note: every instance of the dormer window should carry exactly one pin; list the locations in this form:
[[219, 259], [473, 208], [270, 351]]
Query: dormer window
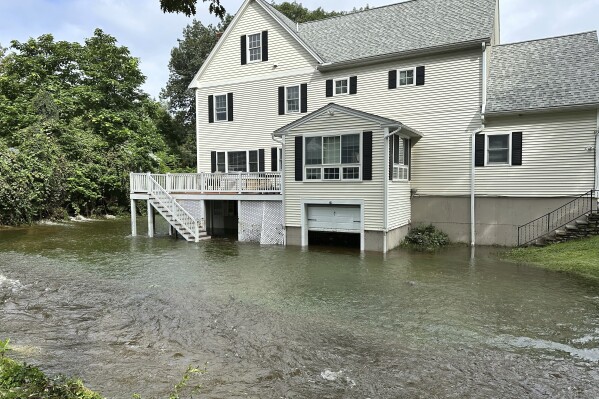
[[255, 47]]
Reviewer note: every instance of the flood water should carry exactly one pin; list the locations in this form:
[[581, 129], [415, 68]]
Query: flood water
[[129, 314]]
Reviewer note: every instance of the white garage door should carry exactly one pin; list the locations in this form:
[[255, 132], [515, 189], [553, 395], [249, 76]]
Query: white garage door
[[340, 218]]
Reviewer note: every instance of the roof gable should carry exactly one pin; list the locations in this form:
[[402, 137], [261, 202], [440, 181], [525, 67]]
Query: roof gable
[[332, 109], [277, 18], [542, 74]]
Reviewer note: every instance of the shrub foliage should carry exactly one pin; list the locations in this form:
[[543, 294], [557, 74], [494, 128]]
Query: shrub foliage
[[426, 238]]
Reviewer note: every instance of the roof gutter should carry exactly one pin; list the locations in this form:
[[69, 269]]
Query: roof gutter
[[576, 107], [471, 44]]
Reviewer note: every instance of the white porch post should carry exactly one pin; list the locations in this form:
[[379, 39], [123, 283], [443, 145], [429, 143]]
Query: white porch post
[[150, 220], [133, 219]]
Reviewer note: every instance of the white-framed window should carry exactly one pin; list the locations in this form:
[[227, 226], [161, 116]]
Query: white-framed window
[[407, 77], [279, 159], [255, 47], [220, 108], [333, 157], [400, 151], [341, 86], [292, 99], [238, 161], [499, 149]]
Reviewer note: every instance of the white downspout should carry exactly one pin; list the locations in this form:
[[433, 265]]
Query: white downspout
[[473, 148], [597, 154]]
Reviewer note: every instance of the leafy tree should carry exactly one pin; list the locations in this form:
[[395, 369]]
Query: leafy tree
[[188, 7], [73, 123], [298, 13]]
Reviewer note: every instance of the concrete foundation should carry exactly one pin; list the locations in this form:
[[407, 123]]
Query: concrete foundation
[[396, 236], [373, 240], [497, 218]]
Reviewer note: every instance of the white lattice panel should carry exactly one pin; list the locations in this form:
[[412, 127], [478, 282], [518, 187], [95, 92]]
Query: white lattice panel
[[261, 221], [194, 208]]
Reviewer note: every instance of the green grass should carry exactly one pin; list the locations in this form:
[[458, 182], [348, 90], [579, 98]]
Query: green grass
[[580, 257]]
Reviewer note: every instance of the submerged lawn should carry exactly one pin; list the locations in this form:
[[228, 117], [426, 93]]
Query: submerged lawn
[[579, 257]]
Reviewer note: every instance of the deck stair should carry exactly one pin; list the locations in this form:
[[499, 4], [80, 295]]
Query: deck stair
[[576, 219], [182, 221]]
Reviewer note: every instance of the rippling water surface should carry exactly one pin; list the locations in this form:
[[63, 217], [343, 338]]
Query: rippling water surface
[[129, 314]]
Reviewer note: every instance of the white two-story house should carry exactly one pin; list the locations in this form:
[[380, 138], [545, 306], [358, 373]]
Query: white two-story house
[[360, 126]]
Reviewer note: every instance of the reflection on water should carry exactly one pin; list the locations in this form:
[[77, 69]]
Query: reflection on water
[[129, 314]]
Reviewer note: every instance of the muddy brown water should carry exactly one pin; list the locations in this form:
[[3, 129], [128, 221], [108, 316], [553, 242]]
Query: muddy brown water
[[129, 314]]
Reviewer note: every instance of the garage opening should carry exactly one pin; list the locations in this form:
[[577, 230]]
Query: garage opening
[[343, 240], [334, 225], [221, 218]]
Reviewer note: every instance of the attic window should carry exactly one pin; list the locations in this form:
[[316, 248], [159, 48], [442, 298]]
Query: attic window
[[255, 47]]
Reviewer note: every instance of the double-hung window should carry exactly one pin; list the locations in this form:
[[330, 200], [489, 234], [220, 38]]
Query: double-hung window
[[255, 47], [341, 86], [335, 157], [406, 77], [238, 161], [498, 149], [400, 152], [220, 108], [292, 99]]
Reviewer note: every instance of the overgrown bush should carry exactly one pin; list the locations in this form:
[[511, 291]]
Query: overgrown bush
[[426, 238]]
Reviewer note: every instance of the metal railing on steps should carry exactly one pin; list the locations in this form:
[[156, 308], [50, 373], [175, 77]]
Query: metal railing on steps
[[580, 206], [173, 212]]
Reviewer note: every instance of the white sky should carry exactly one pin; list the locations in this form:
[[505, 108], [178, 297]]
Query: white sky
[[149, 34]]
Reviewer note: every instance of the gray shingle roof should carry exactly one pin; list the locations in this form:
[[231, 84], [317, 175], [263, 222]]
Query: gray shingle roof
[[556, 72], [407, 26]]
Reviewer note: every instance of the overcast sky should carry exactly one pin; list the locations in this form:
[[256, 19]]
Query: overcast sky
[[149, 34]]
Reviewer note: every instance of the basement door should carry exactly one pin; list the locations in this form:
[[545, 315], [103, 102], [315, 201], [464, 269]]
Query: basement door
[[337, 218]]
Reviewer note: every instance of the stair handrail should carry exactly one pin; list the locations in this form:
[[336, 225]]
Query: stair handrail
[[593, 206], [179, 213]]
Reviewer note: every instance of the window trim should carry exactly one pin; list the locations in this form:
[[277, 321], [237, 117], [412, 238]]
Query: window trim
[[340, 166], [405, 166], [299, 100], [249, 58], [335, 87], [247, 160], [487, 148], [226, 95], [399, 71]]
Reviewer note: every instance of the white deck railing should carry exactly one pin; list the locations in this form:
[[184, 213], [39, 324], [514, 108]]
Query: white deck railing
[[199, 183]]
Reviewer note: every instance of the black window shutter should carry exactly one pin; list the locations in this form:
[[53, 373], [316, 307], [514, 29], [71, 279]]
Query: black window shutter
[[281, 100], [230, 106], [330, 88], [409, 145], [420, 76], [261, 160], [304, 96], [367, 156], [393, 79], [274, 162], [244, 52], [210, 109], [213, 161], [479, 150], [265, 45], [392, 144], [299, 160], [353, 84], [516, 148]]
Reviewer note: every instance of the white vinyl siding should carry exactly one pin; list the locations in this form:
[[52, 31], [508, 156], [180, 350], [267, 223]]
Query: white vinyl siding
[[554, 159], [283, 50], [399, 212]]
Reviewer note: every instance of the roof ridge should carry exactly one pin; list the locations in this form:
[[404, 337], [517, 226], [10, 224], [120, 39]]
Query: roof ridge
[[348, 13], [546, 38]]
